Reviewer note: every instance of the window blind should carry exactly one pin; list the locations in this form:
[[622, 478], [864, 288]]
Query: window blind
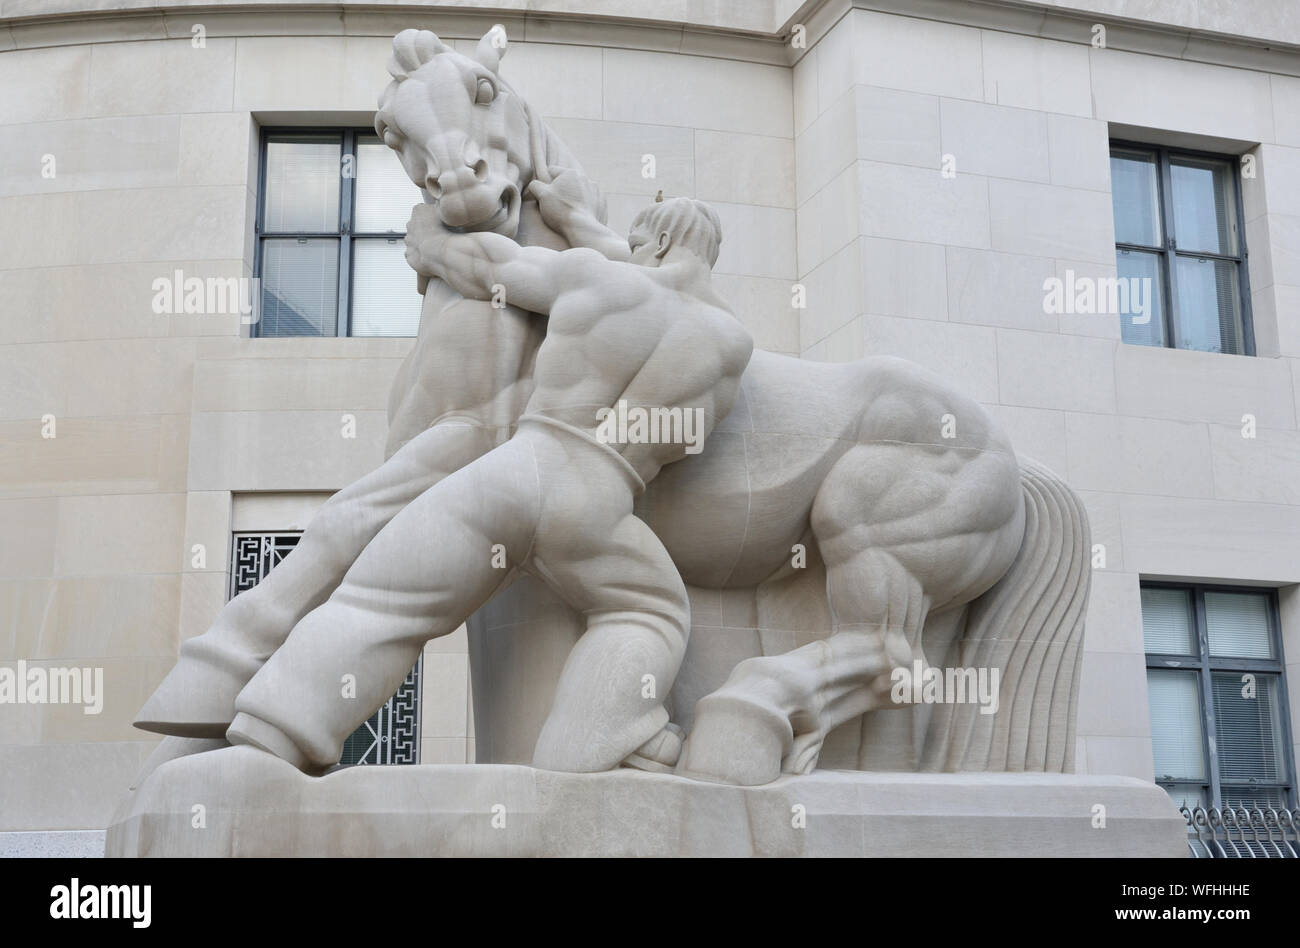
[[1247, 721], [1167, 621], [1176, 734], [1237, 625]]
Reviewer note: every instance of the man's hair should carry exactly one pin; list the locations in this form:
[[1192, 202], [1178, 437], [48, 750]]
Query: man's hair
[[690, 223]]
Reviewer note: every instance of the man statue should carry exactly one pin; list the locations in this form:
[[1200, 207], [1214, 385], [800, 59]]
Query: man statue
[[644, 335]]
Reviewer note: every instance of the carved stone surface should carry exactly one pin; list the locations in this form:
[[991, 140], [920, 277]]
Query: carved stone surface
[[256, 805], [938, 546], [846, 533]]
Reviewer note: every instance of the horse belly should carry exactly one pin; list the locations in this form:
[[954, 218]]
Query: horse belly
[[698, 506], [730, 516]]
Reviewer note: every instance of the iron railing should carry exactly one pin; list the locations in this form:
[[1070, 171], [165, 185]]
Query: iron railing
[[1242, 832]]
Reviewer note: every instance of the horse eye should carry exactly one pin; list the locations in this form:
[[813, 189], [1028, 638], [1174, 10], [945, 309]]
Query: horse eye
[[486, 93], [391, 138]]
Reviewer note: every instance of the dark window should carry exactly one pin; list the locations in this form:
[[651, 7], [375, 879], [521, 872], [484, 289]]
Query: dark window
[[1179, 229], [1218, 700], [331, 217]]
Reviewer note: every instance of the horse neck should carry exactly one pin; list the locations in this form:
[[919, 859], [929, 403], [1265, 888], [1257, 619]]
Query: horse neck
[[512, 336], [534, 232], [545, 151]]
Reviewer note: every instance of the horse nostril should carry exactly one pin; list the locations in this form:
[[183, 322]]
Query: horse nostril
[[433, 187], [481, 169]]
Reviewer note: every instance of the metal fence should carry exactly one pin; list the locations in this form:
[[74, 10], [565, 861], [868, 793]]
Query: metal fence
[[1242, 833]]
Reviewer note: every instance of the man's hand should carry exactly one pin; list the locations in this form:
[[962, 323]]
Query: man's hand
[[567, 195], [426, 244], [572, 207]]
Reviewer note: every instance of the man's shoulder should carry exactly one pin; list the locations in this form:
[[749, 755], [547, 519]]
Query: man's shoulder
[[585, 262], [584, 257]]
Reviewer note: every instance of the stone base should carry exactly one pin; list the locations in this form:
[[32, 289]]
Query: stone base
[[253, 804], [52, 844]]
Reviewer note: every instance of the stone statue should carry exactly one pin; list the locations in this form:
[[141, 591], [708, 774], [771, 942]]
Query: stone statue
[[869, 525], [644, 335]]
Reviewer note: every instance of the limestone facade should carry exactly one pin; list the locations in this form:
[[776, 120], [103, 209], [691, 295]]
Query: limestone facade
[[824, 159]]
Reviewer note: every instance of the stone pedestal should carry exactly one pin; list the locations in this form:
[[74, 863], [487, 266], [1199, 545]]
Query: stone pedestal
[[242, 802]]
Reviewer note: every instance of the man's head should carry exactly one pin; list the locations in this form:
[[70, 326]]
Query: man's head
[[675, 224]]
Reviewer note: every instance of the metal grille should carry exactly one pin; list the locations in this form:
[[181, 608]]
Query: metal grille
[[392, 734], [254, 555], [1242, 833]]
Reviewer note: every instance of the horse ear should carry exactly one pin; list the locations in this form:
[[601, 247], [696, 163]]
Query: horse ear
[[492, 47]]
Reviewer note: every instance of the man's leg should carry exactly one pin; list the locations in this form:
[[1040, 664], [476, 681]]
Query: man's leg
[[610, 700], [197, 698], [420, 577]]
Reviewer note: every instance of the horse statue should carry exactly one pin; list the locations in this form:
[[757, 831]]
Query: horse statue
[[837, 507]]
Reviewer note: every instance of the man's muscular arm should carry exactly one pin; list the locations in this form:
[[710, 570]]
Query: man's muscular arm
[[474, 264], [567, 204]]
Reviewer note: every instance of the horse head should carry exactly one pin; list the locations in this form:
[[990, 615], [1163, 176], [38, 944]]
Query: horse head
[[462, 134]]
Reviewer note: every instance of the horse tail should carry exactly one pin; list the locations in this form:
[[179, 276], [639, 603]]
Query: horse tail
[[1029, 627]]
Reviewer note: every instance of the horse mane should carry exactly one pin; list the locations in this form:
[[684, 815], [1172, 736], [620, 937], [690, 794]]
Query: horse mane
[[548, 150]]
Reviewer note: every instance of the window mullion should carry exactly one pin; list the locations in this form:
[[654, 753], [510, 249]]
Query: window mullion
[[1207, 255], [1207, 696], [346, 198], [1283, 700], [1163, 660], [1262, 666], [259, 224], [1243, 269], [1165, 179], [302, 234]]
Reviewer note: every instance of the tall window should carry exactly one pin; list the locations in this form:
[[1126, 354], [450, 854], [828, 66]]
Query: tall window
[[1218, 699], [332, 213], [1178, 230]]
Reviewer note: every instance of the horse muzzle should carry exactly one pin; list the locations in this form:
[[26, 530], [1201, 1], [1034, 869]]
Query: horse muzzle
[[481, 208]]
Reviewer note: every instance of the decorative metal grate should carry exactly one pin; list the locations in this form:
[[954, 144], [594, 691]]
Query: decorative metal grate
[[1242, 833], [392, 734], [254, 555]]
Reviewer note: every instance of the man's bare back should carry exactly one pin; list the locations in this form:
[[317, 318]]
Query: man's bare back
[[646, 334]]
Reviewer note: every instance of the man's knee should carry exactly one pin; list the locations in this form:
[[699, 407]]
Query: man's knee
[[666, 627]]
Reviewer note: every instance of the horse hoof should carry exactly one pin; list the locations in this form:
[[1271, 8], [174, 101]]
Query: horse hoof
[[194, 700], [733, 742]]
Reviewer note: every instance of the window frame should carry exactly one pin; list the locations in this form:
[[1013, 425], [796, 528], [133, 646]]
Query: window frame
[[1206, 664], [345, 234], [1169, 251]]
